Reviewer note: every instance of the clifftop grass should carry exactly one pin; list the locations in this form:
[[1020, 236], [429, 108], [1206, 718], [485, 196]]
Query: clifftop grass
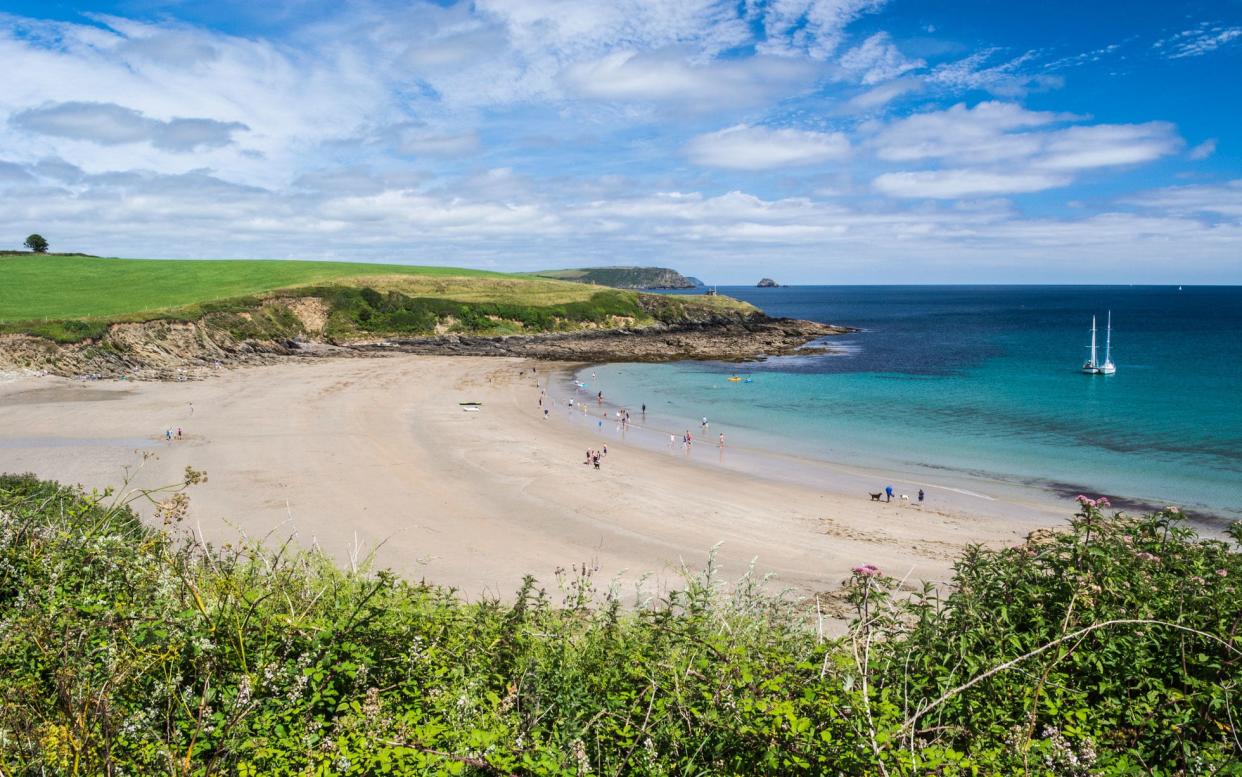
[[69, 298], [1110, 648], [34, 288]]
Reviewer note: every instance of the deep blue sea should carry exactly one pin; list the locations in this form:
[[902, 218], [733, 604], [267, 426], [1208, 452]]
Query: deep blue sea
[[984, 381]]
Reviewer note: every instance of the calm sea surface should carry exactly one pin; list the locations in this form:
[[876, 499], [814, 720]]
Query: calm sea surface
[[984, 381]]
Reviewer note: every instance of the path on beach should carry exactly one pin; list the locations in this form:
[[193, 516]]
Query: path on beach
[[377, 453]]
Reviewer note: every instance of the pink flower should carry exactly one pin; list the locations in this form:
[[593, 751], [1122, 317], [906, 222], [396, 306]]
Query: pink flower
[[1103, 502], [867, 570], [1148, 556], [1174, 510], [1222, 573]]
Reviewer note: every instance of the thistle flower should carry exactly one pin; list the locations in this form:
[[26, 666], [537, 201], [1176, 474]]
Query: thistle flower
[[867, 570]]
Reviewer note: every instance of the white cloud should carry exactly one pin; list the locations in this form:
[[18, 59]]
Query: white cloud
[[1219, 199], [1197, 41], [110, 124], [667, 76], [718, 237], [759, 148], [999, 148], [1203, 150], [1106, 145], [878, 59], [984, 133], [1007, 79], [814, 28], [878, 97], [950, 184]]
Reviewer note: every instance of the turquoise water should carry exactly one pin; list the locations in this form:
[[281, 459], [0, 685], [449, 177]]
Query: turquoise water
[[983, 382]]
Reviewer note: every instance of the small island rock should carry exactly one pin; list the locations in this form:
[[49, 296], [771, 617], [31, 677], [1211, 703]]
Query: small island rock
[[768, 283]]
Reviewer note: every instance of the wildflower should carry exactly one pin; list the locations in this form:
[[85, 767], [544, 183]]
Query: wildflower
[[1145, 556], [1085, 500], [1173, 510], [867, 570], [1222, 573], [371, 705], [1103, 502], [580, 755], [243, 691]]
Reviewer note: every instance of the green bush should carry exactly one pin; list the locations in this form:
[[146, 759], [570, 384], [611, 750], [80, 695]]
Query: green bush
[[133, 650]]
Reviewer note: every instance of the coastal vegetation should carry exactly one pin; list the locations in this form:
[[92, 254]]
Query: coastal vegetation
[[1110, 647], [625, 277], [75, 298]]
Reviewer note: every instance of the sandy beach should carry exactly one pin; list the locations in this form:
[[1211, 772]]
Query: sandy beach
[[376, 455]]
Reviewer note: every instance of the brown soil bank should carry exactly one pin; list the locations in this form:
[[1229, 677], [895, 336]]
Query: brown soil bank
[[166, 349]]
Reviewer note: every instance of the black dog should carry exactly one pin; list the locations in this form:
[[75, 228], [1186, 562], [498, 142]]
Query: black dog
[[876, 497]]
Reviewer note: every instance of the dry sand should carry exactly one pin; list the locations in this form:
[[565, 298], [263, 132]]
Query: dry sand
[[375, 453]]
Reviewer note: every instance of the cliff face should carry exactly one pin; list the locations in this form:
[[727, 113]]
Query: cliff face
[[165, 350]]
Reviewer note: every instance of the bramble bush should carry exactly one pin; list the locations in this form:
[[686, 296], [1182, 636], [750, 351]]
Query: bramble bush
[[1111, 647]]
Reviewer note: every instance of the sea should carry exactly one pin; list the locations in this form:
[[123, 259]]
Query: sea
[[983, 383]]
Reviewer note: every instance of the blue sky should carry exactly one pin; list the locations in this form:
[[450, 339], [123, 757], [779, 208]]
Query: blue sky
[[831, 141]]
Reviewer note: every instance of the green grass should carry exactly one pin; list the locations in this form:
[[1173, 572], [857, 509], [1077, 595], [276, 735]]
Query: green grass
[[35, 288]]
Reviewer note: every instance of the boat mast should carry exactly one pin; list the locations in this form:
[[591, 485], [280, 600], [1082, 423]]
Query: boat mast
[[1092, 362]]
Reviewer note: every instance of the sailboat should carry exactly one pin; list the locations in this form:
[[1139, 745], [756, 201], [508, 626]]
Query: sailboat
[[1092, 366]]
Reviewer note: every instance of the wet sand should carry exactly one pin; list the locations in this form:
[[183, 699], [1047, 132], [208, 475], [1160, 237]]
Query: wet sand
[[376, 455]]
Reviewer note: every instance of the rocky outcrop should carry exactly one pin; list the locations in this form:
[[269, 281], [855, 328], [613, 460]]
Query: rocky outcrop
[[767, 283], [738, 340], [171, 350]]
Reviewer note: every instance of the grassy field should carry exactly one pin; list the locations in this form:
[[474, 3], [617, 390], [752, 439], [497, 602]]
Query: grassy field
[[34, 288], [70, 299]]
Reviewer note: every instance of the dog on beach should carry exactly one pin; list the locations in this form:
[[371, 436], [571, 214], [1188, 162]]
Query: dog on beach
[[905, 498], [876, 497]]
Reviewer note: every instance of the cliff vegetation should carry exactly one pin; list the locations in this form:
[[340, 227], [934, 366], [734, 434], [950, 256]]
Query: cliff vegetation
[[1112, 647]]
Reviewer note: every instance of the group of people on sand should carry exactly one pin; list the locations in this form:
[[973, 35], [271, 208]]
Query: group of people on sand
[[888, 495], [593, 456], [169, 436]]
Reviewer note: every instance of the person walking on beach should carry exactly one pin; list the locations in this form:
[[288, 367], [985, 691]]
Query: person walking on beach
[[605, 451], [178, 432], [705, 422], [545, 414], [672, 440], [920, 497], [168, 435], [644, 410], [888, 493], [722, 439]]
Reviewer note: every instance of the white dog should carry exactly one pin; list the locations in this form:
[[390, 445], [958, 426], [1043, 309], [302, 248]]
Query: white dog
[[905, 498]]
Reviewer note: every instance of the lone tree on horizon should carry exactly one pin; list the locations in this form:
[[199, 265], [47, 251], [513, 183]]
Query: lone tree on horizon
[[37, 244]]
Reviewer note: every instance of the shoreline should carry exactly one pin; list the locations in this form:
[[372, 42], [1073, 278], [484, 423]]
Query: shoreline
[[376, 455], [848, 471], [958, 493]]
